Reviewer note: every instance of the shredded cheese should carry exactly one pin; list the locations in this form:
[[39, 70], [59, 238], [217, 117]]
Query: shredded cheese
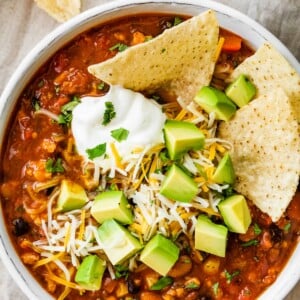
[[70, 236], [219, 48]]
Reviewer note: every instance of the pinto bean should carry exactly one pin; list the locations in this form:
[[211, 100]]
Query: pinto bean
[[182, 267]]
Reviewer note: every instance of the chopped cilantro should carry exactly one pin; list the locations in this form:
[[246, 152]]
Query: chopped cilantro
[[101, 86], [120, 134], [215, 288], [97, 151], [229, 276], [250, 243], [163, 155], [161, 283], [228, 192], [119, 46], [177, 21], [113, 187], [121, 271], [257, 230], [192, 285], [287, 227], [36, 103], [66, 111], [109, 113], [53, 166]]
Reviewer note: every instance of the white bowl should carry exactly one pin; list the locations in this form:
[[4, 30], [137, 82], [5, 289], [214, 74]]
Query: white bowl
[[229, 18]]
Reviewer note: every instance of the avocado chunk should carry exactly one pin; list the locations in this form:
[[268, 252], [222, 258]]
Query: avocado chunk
[[178, 186], [118, 243], [71, 196], [224, 172], [241, 91], [210, 237], [160, 254], [112, 205], [90, 272], [181, 137], [214, 100], [235, 213]]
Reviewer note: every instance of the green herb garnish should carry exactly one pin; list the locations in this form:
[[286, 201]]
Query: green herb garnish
[[97, 151], [53, 166], [215, 288], [66, 111], [192, 285], [101, 86], [36, 104], [229, 276], [164, 157], [109, 113], [228, 192], [287, 227], [250, 243], [119, 46], [177, 21], [161, 283], [257, 230], [120, 134], [113, 187], [121, 271]]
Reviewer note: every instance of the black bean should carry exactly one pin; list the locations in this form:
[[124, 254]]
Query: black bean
[[132, 287], [276, 233], [20, 226]]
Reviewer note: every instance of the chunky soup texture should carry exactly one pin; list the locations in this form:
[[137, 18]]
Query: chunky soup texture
[[39, 153]]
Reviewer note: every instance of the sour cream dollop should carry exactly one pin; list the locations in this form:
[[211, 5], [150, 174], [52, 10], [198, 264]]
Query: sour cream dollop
[[141, 117]]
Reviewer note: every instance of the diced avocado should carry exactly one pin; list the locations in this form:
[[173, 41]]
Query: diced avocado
[[178, 186], [90, 272], [160, 254], [181, 137], [210, 237], [235, 213], [71, 196], [224, 172], [118, 243], [214, 100], [241, 91], [112, 205]]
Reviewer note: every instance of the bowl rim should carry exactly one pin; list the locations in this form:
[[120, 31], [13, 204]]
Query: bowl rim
[[54, 41]]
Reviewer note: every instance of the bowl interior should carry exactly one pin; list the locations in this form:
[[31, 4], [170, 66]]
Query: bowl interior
[[228, 18]]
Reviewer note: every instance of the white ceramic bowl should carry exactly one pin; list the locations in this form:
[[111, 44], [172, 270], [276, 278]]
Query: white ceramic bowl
[[228, 18]]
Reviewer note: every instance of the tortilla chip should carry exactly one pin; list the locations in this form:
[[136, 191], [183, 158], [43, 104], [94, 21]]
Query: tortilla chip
[[181, 59], [266, 151], [269, 70], [61, 10]]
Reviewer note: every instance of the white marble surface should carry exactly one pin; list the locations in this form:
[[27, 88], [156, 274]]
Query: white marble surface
[[22, 25]]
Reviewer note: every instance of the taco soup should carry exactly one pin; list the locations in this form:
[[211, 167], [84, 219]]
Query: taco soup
[[122, 179]]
